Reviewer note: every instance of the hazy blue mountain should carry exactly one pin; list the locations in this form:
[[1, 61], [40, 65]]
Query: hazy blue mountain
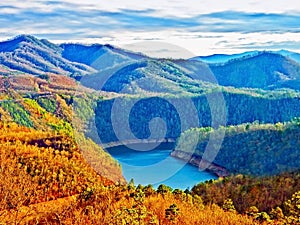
[[113, 69], [146, 76], [197, 70], [30, 55], [98, 56], [222, 58], [292, 55], [266, 70]]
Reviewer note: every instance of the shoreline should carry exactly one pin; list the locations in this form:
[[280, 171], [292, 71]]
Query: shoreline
[[199, 162], [190, 158], [137, 141]]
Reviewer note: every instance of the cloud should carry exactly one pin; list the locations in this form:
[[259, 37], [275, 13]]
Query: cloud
[[254, 22], [290, 45], [209, 24], [60, 15]]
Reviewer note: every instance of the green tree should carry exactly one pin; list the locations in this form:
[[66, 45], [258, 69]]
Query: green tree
[[164, 189]]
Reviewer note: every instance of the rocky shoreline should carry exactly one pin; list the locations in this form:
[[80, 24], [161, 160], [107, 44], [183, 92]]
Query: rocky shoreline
[[197, 160]]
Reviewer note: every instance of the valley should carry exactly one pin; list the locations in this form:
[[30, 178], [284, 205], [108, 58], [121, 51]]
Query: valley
[[78, 122]]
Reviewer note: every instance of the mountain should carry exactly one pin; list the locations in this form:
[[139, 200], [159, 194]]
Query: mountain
[[30, 55], [98, 56], [113, 69], [266, 70], [259, 149], [292, 55], [147, 76], [223, 58]]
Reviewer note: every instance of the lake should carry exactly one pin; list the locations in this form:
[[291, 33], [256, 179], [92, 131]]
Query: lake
[[157, 166]]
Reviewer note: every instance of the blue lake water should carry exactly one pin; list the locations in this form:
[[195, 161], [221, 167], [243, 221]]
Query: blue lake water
[[157, 167]]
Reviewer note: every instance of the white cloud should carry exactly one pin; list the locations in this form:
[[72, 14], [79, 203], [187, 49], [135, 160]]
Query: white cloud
[[188, 24], [193, 44], [178, 8], [189, 8]]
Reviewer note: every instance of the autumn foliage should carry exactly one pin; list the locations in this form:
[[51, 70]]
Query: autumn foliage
[[51, 174]]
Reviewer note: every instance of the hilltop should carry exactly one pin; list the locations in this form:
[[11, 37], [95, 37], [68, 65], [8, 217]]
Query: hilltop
[[265, 70], [253, 149], [131, 72], [30, 55]]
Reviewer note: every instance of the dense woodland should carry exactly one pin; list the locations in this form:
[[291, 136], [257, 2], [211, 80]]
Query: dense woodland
[[53, 180], [47, 178], [256, 149], [232, 108], [263, 70], [50, 182]]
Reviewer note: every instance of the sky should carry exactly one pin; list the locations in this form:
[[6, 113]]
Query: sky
[[169, 28]]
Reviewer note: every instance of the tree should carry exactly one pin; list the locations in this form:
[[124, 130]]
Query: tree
[[131, 185], [228, 205], [172, 212], [292, 209], [277, 213], [163, 189]]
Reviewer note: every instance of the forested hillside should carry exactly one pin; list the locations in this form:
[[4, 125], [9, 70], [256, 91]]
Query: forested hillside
[[271, 199], [31, 55], [241, 107], [256, 149], [265, 70], [52, 112], [45, 179], [52, 174]]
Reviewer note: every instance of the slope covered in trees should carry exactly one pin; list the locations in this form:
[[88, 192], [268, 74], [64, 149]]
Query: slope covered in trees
[[265, 70], [139, 73], [264, 198], [176, 111], [52, 174], [33, 56], [54, 113], [256, 149], [45, 179]]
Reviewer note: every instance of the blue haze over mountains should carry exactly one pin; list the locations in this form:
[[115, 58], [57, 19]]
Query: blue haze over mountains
[[135, 72]]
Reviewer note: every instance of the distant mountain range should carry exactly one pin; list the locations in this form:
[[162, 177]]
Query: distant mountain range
[[223, 58], [113, 69], [264, 70]]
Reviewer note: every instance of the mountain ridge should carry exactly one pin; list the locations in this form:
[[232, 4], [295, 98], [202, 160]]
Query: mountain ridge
[[31, 55], [265, 70], [223, 58], [96, 62]]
